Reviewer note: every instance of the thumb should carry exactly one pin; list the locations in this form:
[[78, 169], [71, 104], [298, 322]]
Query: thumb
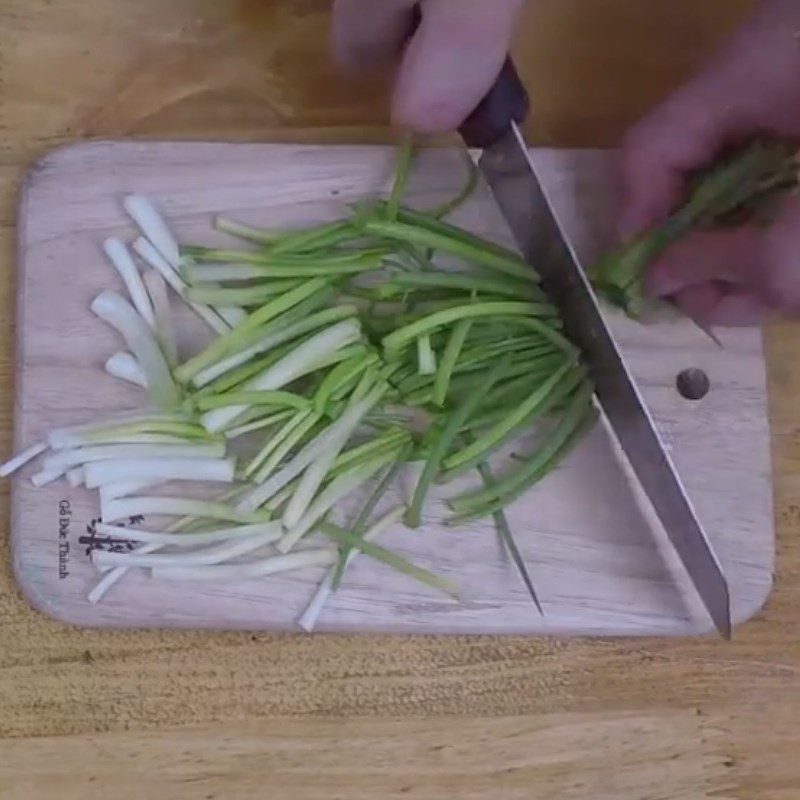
[[451, 62], [734, 256]]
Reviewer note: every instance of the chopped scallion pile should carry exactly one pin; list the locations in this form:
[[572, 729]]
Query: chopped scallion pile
[[343, 352]]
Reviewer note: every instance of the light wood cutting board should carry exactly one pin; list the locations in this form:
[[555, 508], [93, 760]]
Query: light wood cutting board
[[599, 564]]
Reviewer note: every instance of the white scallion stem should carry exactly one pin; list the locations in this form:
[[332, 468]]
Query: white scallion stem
[[280, 445], [213, 273], [114, 575], [321, 557], [153, 226], [120, 314], [269, 530], [21, 459], [257, 424], [113, 491], [100, 473], [77, 435], [148, 253], [267, 342], [309, 617], [124, 366], [76, 477], [119, 255], [259, 495], [216, 553], [127, 507], [302, 360], [331, 494], [157, 289], [317, 471], [66, 459], [46, 476]]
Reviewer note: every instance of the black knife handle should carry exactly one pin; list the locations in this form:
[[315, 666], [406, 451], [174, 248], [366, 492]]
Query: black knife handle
[[506, 102]]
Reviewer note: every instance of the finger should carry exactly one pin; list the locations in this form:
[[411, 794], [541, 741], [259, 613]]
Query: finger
[[369, 32], [451, 62], [720, 304], [735, 256], [682, 135]]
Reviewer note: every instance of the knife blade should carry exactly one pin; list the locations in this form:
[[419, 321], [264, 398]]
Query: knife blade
[[510, 174]]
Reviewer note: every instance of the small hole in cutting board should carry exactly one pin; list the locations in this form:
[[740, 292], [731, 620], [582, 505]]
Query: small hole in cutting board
[[692, 383]]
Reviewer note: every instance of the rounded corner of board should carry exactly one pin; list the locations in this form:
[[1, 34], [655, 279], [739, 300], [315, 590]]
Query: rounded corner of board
[[35, 594], [53, 156], [754, 604]]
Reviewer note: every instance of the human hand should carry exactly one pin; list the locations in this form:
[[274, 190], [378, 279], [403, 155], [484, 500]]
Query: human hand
[[448, 65], [733, 276]]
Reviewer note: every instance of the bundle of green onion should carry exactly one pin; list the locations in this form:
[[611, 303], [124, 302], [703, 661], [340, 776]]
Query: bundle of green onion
[[348, 352], [744, 184]]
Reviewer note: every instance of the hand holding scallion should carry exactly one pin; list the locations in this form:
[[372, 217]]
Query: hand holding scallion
[[710, 220]]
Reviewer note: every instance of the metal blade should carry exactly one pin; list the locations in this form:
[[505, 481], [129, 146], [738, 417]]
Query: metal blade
[[512, 178]]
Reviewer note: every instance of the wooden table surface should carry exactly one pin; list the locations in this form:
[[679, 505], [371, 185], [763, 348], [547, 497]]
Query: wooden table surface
[[197, 715]]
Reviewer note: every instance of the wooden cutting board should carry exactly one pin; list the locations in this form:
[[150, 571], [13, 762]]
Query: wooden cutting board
[[601, 567]]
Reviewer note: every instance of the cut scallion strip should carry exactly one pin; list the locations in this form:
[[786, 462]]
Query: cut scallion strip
[[247, 232], [451, 353], [124, 366], [391, 559], [157, 291], [577, 414], [444, 441], [117, 312], [308, 619], [491, 258], [148, 253], [400, 338], [20, 460], [127, 507], [304, 359], [120, 257], [404, 154], [248, 296], [272, 565], [522, 412], [228, 342], [153, 226], [426, 358]]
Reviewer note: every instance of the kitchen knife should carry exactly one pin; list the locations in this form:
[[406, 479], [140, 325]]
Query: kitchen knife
[[508, 170]]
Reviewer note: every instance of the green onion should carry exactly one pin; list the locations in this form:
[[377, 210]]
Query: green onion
[[504, 532], [524, 411], [578, 414], [226, 343], [508, 264], [249, 296], [400, 338], [265, 398], [445, 439], [451, 352], [463, 195], [393, 560], [500, 284], [742, 183], [362, 520], [404, 154]]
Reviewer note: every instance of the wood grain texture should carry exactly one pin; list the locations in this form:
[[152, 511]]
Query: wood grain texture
[[566, 754], [208, 69], [598, 565]]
